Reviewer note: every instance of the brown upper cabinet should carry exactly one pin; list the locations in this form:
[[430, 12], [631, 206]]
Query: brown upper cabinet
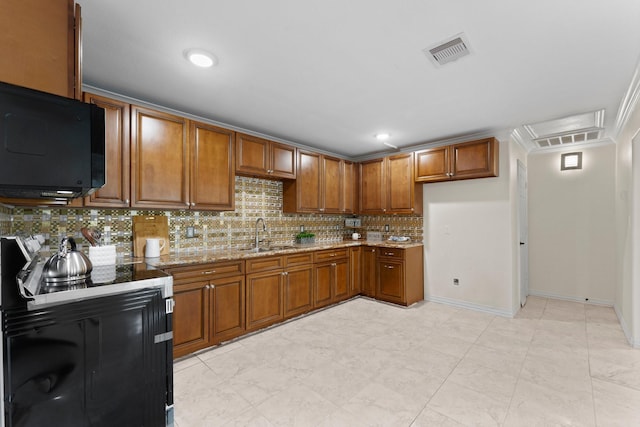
[[349, 187], [40, 45], [159, 160], [212, 184], [320, 186], [387, 186], [115, 192], [467, 160], [180, 164], [261, 157]]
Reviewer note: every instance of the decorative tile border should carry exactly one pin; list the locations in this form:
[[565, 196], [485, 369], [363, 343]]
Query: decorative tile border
[[255, 198]]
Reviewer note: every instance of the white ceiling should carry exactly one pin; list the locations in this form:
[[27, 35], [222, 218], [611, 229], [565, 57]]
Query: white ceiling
[[330, 74]]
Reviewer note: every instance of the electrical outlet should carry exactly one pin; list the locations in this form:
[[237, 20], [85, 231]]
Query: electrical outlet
[[456, 282], [386, 228], [302, 228], [191, 232]]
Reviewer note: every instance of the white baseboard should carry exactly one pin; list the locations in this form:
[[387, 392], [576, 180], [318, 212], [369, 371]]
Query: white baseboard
[[470, 306], [535, 293], [625, 328]]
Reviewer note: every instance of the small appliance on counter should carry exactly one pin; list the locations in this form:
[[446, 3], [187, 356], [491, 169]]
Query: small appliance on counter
[[78, 351]]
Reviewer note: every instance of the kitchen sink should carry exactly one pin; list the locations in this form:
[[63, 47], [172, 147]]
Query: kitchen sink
[[269, 249]]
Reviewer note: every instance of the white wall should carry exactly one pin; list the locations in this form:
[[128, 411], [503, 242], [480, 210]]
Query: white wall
[[468, 235], [572, 225], [627, 298]]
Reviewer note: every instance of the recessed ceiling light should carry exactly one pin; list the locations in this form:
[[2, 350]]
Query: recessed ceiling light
[[201, 58], [382, 136]]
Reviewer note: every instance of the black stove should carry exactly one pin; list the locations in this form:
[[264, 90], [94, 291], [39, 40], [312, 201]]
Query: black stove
[[89, 352]]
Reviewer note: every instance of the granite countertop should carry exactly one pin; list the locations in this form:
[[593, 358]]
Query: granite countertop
[[176, 259]]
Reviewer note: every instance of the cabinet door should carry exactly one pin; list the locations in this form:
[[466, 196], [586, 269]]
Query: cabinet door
[[283, 161], [390, 283], [227, 307], [475, 159], [115, 192], [190, 317], [264, 299], [355, 259], [323, 284], [341, 276], [309, 182], [298, 290], [252, 155], [331, 185], [432, 165], [402, 194], [372, 187], [349, 187], [159, 160], [369, 271], [37, 46], [212, 184]]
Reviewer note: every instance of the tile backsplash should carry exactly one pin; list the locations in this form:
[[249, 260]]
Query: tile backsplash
[[255, 198]]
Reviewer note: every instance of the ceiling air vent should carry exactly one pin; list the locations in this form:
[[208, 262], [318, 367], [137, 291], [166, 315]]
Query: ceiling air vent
[[576, 129], [448, 51]]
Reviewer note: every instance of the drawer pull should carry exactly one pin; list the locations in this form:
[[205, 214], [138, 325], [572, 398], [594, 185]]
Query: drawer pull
[[332, 255], [389, 253], [390, 267], [209, 272]]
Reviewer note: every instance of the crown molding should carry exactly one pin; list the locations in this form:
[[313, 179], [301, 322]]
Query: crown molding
[[628, 103]]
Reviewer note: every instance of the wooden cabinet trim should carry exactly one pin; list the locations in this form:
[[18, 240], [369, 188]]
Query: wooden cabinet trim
[[207, 271], [268, 263], [330, 255]]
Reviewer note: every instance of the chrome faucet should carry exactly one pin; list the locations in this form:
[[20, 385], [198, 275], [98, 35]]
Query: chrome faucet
[[264, 228]]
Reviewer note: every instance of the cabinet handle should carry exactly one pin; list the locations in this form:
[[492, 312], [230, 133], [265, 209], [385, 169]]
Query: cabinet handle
[[390, 267], [285, 273], [269, 170], [209, 272], [212, 286], [332, 255], [333, 264], [127, 201], [389, 253]]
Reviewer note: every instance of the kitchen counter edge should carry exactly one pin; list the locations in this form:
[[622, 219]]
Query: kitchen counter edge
[[180, 259]]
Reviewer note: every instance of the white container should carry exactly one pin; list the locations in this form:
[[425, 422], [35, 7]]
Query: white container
[[153, 247], [103, 273], [102, 255]]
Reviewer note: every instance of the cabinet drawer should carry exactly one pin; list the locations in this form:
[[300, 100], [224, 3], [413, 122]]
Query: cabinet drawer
[[207, 271], [299, 259], [330, 255], [255, 265], [391, 253]]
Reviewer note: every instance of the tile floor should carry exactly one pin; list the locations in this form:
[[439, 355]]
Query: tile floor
[[365, 363]]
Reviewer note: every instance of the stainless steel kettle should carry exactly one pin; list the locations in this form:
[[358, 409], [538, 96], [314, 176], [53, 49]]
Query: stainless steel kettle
[[68, 265]]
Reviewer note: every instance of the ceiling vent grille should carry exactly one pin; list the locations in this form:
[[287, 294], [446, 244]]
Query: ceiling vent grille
[[573, 138], [448, 51], [576, 129]]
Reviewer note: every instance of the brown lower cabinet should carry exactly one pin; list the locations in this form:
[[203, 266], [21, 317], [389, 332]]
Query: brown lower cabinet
[[331, 276], [219, 301], [368, 279], [278, 287], [399, 275], [298, 284], [209, 305]]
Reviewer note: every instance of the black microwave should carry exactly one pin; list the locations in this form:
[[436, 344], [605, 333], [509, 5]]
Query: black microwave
[[50, 146]]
